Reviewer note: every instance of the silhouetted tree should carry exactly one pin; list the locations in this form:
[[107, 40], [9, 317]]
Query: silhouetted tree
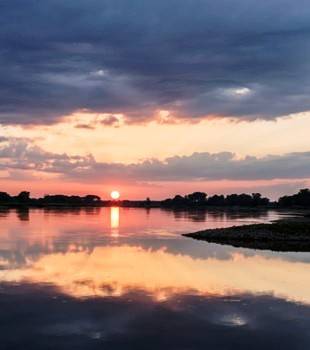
[[258, 200], [91, 199], [216, 200], [301, 199], [197, 197], [242, 200], [5, 197], [23, 196]]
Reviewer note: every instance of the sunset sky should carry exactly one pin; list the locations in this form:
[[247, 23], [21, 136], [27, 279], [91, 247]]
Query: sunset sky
[[154, 98]]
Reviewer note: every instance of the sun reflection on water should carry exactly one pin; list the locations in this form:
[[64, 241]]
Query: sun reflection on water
[[114, 220]]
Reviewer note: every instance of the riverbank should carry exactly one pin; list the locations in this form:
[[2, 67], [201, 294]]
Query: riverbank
[[288, 235]]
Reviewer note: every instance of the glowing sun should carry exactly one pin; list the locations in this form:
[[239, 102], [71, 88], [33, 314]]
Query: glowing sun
[[115, 195]]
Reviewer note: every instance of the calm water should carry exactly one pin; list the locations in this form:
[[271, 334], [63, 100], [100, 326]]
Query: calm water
[[127, 279]]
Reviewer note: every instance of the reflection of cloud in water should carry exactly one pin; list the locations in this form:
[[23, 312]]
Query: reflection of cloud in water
[[46, 318], [113, 270], [233, 320]]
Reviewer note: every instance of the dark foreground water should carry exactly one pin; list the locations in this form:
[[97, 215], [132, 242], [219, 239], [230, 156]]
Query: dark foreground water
[[127, 279]]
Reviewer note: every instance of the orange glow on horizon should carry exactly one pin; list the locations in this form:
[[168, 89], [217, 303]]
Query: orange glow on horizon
[[155, 190]]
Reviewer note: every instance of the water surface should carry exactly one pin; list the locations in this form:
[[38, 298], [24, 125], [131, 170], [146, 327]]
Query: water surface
[[126, 279]]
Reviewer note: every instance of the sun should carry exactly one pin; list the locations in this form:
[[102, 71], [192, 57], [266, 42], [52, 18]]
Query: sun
[[115, 195]]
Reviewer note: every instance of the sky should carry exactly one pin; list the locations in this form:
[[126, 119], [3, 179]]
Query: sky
[[154, 98]]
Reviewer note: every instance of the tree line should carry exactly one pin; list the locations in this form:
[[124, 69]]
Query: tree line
[[195, 199], [198, 199], [298, 200], [24, 199]]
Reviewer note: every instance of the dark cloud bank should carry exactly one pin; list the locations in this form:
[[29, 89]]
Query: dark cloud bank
[[244, 58], [22, 154]]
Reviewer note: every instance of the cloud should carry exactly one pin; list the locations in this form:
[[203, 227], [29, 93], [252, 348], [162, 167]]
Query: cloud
[[111, 120], [91, 122], [195, 58], [22, 154]]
